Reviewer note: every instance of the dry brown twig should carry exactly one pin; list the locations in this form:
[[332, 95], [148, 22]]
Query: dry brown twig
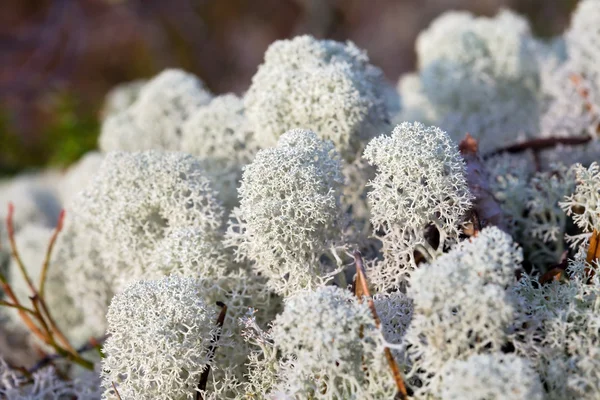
[[211, 352], [38, 319], [540, 144], [361, 291], [116, 391]]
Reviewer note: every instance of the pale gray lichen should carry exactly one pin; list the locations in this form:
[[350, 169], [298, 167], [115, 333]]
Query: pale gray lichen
[[219, 135], [574, 84], [461, 305], [34, 198], [509, 177], [115, 226], [79, 175], [161, 333], [544, 227], [35, 201], [121, 97], [584, 154], [321, 85], [46, 384], [481, 76], [290, 213], [415, 105], [584, 204], [154, 120], [420, 182], [558, 327], [395, 312], [494, 376], [326, 341], [191, 252]]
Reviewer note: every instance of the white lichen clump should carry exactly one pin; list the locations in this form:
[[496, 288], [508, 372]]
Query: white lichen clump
[[114, 227], [492, 377], [560, 323], [321, 85], [35, 201], [449, 324], [420, 182], [79, 175], [285, 245], [479, 75], [290, 213], [573, 86], [584, 204], [191, 251], [327, 340], [221, 137], [122, 96], [161, 333], [154, 120], [34, 198]]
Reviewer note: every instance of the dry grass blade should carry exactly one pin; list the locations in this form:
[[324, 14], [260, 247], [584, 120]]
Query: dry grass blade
[[361, 290], [211, 352]]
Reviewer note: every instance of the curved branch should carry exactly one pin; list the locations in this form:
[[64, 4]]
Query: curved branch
[[540, 144]]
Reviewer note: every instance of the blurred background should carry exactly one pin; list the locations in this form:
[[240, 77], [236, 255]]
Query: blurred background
[[58, 58]]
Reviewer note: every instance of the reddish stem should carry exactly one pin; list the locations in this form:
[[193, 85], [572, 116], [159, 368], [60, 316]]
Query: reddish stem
[[57, 230]]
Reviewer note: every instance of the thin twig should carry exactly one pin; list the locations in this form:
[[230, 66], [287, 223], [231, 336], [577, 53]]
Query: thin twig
[[93, 343], [36, 306], [73, 356], [486, 209], [540, 144], [35, 300], [211, 351], [41, 312], [361, 290], [56, 330], [24, 317], [17, 306], [59, 226], [13, 244], [116, 391]]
